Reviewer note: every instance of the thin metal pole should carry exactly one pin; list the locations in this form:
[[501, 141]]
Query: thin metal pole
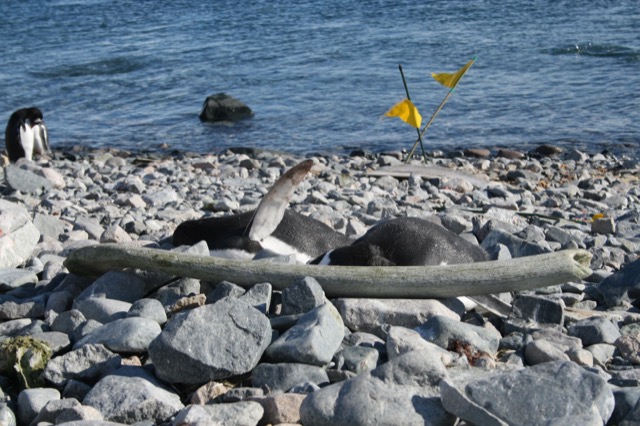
[[420, 133], [406, 89]]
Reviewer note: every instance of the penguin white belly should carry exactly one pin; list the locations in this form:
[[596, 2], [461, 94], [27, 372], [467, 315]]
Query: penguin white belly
[[26, 140], [280, 247]]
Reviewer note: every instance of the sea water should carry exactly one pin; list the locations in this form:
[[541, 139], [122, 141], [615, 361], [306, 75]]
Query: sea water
[[320, 74]]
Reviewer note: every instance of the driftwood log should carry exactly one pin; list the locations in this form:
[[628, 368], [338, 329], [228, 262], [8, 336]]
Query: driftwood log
[[470, 279]]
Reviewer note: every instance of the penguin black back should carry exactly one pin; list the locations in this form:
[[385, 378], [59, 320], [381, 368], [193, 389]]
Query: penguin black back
[[405, 241], [26, 134], [300, 233]]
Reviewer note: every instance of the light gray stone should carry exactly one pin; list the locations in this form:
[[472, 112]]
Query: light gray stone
[[401, 340], [11, 309], [370, 315], [86, 363], [313, 340], [539, 351], [52, 409], [148, 308], [102, 310], [130, 395], [446, 332], [594, 330], [19, 235], [282, 377], [403, 391], [127, 335], [25, 181], [302, 296], [31, 401], [14, 278], [211, 342], [558, 392], [615, 288], [115, 285], [243, 413], [258, 296]]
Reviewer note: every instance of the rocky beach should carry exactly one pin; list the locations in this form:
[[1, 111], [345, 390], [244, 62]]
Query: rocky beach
[[145, 347]]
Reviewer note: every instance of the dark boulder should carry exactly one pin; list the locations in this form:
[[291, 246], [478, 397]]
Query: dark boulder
[[222, 107]]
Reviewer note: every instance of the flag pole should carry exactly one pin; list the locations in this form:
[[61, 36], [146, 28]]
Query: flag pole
[[406, 89], [420, 134]]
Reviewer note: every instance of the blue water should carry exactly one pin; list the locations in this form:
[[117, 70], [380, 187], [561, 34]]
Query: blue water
[[320, 75]]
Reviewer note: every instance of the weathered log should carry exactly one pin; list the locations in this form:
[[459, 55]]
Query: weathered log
[[345, 281]]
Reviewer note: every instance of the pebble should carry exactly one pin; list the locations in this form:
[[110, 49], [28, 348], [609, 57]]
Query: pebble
[[564, 355]]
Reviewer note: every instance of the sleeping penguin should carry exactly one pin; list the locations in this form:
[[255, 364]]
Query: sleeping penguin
[[26, 135], [405, 241], [270, 227]]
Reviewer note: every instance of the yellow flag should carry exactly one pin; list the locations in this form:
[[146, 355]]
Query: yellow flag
[[450, 80], [407, 112]]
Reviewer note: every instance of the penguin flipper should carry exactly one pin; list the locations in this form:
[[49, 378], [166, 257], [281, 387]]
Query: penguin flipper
[[41, 139], [271, 209]]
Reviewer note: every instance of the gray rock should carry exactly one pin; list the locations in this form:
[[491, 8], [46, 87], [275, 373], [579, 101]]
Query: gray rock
[[22, 308], [605, 225], [130, 395], [401, 340], [86, 363], [19, 235], [282, 377], [539, 351], [313, 340], [258, 296], [446, 332], [615, 288], [128, 335], [15, 327], [358, 359], [171, 293], [76, 389], [244, 413], [161, 198], [211, 342], [148, 308], [558, 338], [52, 409], [78, 414], [370, 315], [225, 289], [7, 417], [403, 391], [25, 181], [517, 246], [91, 226], [102, 310], [626, 399], [594, 330], [222, 107], [31, 401], [558, 392], [115, 285], [537, 309], [50, 226], [302, 296], [14, 278], [84, 329], [56, 340], [629, 347]]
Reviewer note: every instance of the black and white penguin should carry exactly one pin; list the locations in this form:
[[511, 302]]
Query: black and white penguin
[[26, 134], [270, 227], [405, 241]]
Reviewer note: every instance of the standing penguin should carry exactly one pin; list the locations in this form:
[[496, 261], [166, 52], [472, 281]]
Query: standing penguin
[[26, 134]]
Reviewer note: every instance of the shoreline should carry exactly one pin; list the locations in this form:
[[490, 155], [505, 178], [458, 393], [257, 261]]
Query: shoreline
[[513, 206]]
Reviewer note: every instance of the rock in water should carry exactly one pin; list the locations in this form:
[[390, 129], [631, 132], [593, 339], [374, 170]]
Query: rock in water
[[211, 342], [222, 107]]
